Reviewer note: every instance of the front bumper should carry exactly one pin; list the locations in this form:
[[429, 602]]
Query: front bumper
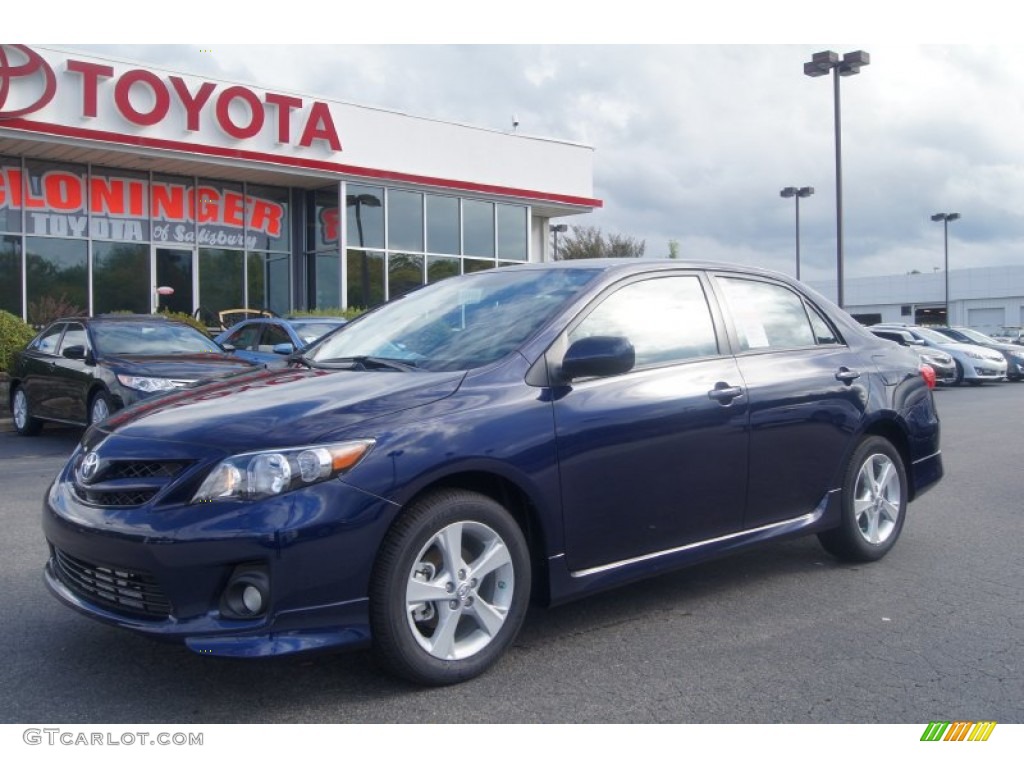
[[162, 570]]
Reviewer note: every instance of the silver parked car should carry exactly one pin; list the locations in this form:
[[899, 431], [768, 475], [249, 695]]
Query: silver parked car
[[940, 362], [1014, 353], [974, 364]]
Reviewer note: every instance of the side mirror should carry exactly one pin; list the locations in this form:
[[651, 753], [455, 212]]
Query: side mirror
[[228, 347], [598, 356], [283, 349], [74, 352]]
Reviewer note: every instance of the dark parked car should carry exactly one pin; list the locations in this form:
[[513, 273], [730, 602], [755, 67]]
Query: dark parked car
[[546, 429], [79, 370], [271, 339], [1014, 353]]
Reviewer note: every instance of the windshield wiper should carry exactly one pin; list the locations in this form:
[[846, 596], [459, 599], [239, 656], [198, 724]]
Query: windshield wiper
[[301, 359], [369, 362]]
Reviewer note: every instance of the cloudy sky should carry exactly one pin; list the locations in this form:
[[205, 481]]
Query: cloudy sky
[[694, 141]]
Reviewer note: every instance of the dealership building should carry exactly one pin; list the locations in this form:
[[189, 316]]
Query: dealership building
[[118, 179]]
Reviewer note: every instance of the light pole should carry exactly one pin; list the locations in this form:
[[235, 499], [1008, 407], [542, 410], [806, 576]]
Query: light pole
[[945, 218], [820, 64], [796, 193], [555, 229]]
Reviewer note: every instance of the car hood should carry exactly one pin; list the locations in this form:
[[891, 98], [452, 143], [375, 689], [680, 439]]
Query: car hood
[[278, 407], [178, 367]]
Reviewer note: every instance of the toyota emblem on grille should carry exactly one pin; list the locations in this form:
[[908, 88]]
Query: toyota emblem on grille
[[88, 467], [19, 62]]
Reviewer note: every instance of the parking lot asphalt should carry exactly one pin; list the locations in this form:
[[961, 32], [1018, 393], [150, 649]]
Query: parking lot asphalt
[[781, 634]]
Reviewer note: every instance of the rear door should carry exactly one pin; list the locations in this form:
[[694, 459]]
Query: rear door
[[656, 457], [808, 392], [40, 378]]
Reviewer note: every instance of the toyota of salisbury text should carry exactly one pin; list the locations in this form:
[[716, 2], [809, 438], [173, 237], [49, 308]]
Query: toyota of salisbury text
[[547, 430]]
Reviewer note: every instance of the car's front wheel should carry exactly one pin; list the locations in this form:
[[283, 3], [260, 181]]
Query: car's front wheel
[[874, 503], [450, 588], [26, 424], [99, 407]]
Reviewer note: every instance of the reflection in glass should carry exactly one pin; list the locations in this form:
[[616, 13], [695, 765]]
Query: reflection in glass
[[328, 280], [443, 224], [10, 212], [323, 224], [267, 220], [221, 279], [56, 270], [10, 275], [440, 267], [405, 220], [270, 282], [476, 265], [365, 216], [120, 278], [174, 270], [405, 273], [478, 225], [512, 232], [365, 278]]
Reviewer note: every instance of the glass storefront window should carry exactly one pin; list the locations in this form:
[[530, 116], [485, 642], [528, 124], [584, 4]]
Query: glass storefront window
[[55, 199], [10, 274], [120, 278], [118, 205], [365, 278], [364, 208], [443, 224], [267, 218], [405, 273], [440, 267], [323, 222], [405, 220], [10, 194], [221, 279], [221, 207], [478, 228], [172, 204], [328, 280], [270, 281], [56, 270], [476, 265], [512, 232]]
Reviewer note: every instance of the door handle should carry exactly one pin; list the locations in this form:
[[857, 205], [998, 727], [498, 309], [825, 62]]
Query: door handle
[[724, 393], [847, 376]]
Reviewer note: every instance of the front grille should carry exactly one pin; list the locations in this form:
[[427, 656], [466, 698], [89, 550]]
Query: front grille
[[125, 590], [130, 483]]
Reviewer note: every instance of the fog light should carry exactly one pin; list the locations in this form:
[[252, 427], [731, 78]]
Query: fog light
[[247, 594]]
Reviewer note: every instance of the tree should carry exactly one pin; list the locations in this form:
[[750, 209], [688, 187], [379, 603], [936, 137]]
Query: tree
[[590, 243], [673, 249]]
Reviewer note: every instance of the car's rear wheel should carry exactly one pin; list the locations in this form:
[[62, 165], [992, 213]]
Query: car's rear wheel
[[99, 407], [874, 503], [450, 588], [26, 424]]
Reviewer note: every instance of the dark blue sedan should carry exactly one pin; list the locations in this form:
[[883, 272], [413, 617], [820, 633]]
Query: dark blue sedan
[[550, 429], [271, 339]]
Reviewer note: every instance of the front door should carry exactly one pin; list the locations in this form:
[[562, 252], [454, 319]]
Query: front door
[[175, 268]]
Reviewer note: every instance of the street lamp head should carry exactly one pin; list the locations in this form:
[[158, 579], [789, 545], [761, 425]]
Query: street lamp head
[[953, 217], [788, 192], [805, 191], [853, 61], [821, 63], [945, 217], [559, 227]]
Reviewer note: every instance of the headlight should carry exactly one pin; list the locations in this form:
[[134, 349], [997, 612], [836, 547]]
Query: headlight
[[975, 355], [252, 476], [146, 383]]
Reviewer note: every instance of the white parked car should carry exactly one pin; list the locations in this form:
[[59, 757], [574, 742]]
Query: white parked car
[[974, 364]]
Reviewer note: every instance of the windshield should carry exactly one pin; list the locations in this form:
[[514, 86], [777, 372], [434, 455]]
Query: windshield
[[970, 334], [458, 323], [934, 336], [156, 338]]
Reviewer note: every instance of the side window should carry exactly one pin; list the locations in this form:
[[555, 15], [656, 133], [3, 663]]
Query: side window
[[273, 334], [244, 338], [767, 316], [47, 343], [666, 319], [74, 335], [823, 332]]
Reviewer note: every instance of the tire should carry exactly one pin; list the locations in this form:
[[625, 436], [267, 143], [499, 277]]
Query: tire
[[958, 378], [438, 619], [24, 422], [874, 503], [99, 407]]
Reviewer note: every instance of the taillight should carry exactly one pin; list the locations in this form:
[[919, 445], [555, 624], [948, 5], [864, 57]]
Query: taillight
[[928, 374]]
